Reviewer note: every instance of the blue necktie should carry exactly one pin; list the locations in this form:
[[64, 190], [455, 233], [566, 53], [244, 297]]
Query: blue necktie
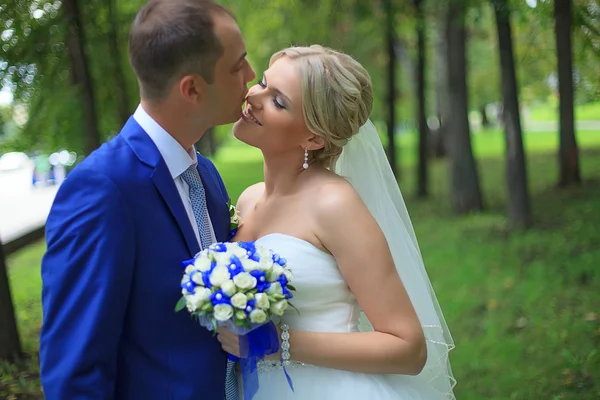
[[198, 200]]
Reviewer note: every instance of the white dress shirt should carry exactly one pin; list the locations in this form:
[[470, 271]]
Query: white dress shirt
[[177, 159]]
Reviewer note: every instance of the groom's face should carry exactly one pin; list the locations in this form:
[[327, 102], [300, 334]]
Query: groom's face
[[232, 73]]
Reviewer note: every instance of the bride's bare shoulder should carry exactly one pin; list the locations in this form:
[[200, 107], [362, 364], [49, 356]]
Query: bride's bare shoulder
[[250, 196], [336, 194]]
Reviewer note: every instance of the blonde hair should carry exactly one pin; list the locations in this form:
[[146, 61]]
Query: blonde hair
[[337, 96]]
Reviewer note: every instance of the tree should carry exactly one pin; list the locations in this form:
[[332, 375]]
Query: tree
[[519, 209], [80, 72], [10, 346], [465, 190], [420, 97], [568, 154], [390, 36]]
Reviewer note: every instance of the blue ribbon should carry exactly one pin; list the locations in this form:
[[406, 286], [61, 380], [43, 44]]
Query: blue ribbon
[[254, 346]]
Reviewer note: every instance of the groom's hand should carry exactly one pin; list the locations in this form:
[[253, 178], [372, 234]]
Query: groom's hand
[[230, 342]]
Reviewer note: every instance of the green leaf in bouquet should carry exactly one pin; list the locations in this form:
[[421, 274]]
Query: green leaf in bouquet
[[294, 307], [180, 304], [207, 307], [250, 295], [272, 299], [290, 287], [215, 326], [278, 297]]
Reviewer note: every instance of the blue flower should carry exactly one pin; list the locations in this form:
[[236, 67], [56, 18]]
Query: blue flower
[[250, 306], [206, 278], [280, 260], [219, 247], [219, 297], [185, 263], [284, 282], [235, 267], [189, 286], [262, 283]]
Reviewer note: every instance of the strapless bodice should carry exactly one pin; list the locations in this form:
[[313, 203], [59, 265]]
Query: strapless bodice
[[322, 298]]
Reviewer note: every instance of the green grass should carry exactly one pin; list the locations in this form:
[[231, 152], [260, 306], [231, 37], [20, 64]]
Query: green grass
[[523, 308], [549, 112]]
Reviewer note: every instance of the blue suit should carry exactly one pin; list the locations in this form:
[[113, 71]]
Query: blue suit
[[116, 235]]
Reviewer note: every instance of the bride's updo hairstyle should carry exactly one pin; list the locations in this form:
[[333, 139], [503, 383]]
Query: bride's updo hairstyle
[[337, 96]]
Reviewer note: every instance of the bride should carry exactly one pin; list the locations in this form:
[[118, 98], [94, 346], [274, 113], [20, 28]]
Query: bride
[[330, 205]]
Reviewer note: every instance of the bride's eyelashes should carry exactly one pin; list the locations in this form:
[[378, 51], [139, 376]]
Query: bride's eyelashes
[[277, 103]]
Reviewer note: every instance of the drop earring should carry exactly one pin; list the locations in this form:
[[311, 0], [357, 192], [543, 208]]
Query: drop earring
[[305, 165]]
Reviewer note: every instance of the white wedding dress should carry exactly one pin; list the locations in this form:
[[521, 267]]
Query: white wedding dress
[[325, 304]]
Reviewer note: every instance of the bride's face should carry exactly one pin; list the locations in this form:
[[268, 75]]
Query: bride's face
[[272, 119]]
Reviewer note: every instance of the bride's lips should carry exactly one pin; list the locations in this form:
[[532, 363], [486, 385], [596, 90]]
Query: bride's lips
[[249, 117]]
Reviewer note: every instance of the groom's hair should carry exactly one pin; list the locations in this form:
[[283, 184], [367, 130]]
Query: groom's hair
[[172, 38]]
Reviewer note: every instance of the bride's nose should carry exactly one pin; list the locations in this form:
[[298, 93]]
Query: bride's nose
[[254, 98]]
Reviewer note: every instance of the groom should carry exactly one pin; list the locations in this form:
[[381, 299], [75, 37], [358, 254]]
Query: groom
[[127, 216]]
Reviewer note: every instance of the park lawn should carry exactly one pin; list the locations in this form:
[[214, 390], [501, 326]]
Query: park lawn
[[549, 112], [523, 308]]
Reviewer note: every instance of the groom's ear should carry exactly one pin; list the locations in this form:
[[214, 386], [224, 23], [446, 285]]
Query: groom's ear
[[316, 142], [192, 88]]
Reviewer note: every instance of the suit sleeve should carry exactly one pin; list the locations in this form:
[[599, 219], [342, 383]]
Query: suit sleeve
[[86, 274]]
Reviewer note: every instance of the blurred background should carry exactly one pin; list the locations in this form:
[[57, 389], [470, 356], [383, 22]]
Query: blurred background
[[490, 114]]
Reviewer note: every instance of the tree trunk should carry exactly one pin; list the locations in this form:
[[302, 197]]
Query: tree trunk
[[421, 113], [519, 208], [114, 43], [485, 122], [10, 346], [568, 155], [440, 138], [391, 120], [465, 191], [80, 73]]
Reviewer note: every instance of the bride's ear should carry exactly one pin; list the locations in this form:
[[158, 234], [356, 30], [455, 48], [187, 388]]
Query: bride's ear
[[316, 142]]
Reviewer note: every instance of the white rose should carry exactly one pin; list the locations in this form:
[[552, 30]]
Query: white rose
[[244, 280], [222, 258], [202, 264], [223, 312], [276, 272], [258, 316], [228, 287], [219, 275], [275, 288], [266, 262], [239, 252], [250, 265], [239, 301], [262, 301], [189, 269], [279, 307], [196, 300], [198, 278]]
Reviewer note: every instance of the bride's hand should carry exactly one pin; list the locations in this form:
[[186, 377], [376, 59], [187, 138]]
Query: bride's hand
[[230, 342]]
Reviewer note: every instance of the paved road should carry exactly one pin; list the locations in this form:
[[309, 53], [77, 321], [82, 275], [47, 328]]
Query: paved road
[[22, 207]]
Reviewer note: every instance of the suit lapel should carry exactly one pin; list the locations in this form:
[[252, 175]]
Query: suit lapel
[[167, 189], [146, 151]]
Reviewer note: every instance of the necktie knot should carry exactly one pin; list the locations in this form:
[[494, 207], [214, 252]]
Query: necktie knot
[[192, 177]]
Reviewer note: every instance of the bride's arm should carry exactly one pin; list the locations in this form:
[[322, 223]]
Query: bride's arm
[[349, 232]]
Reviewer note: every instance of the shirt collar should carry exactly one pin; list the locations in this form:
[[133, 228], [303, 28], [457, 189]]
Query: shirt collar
[[176, 157]]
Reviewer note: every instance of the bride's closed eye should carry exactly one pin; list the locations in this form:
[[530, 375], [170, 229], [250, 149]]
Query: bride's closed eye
[[263, 84]]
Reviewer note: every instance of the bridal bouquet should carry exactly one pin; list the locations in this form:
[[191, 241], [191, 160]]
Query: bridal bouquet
[[241, 286], [238, 285]]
